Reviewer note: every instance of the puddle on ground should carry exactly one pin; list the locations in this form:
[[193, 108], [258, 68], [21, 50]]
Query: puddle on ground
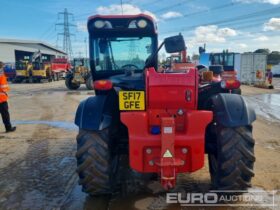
[[79, 93], [58, 124], [254, 198], [266, 105]]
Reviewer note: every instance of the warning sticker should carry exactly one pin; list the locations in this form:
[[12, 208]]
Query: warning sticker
[[167, 130], [167, 154]]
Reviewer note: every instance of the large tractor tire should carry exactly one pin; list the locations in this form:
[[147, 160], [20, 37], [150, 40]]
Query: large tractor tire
[[231, 164], [89, 83], [69, 83], [56, 77], [94, 161]]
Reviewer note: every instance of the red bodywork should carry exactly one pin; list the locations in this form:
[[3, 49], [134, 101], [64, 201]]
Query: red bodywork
[[171, 106], [60, 65]]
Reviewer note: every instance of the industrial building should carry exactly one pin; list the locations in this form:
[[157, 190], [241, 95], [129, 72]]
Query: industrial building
[[12, 50]]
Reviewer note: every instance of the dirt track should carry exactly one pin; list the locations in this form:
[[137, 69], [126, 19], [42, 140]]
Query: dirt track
[[37, 163]]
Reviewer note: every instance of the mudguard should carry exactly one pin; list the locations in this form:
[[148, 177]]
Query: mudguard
[[94, 113], [231, 110]]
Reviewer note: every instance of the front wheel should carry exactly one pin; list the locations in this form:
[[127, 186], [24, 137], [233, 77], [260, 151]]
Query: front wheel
[[89, 83], [70, 84], [94, 161], [232, 162]]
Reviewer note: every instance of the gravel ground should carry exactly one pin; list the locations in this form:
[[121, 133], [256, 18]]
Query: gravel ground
[[37, 162]]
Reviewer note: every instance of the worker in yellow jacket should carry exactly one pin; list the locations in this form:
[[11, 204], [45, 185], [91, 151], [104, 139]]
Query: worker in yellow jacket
[[4, 109]]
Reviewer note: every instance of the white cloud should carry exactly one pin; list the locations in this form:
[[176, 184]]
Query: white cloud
[[245, 43], [126, 9], [242, 45], [171, 14], [261, 38], [274, 2], [212, 34], [116, 9], [226, 32], [82, 26], [272, 25]]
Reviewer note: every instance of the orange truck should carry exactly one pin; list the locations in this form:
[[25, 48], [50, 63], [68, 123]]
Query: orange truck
[[179, 61]]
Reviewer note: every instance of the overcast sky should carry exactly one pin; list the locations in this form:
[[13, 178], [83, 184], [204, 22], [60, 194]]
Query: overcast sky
[[237, 25]]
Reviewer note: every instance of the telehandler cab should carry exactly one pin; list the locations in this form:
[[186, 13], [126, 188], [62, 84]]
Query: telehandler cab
[[164, 122]]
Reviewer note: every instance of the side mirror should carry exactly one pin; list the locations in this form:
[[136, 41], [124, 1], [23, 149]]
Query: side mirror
[[174, 44]]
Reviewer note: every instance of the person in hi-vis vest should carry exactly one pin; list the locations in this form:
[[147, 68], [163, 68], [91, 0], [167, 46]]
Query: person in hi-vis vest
[[4, 109]]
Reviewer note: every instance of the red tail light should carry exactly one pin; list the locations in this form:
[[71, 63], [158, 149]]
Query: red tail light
[[230, 84], [103, 85]]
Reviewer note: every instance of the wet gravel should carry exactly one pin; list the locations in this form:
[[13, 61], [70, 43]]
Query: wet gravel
[[41, 172]]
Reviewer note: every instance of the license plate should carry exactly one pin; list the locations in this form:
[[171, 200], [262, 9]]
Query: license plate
[[132, 100]]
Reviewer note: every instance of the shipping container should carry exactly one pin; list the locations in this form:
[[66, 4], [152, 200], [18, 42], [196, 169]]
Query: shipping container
[[250, 67]]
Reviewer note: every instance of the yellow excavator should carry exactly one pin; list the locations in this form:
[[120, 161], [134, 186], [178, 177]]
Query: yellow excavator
[[41, 71], [23, 71]]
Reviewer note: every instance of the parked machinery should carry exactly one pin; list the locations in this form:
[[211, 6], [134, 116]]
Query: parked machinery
[[41, 71], [80, 74], [177, 61], [162, 123], [60, 67], [23, 71], [33, 71], [10, 71]]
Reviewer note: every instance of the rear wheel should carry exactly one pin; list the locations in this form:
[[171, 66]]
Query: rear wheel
[[30, 79], [70, 84], [94, 161], [56, 76], [37, 80], [231, 164], [16, 80], [89, 83]]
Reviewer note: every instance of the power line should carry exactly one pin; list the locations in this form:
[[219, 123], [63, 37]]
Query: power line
[[223, 6], [67, 46], [48, 31], [150, 3], [170, 7], [122, 6], [228, 20], [270, 33]]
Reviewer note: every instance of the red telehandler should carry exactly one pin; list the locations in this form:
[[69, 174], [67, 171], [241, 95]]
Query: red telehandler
[[163, 122]]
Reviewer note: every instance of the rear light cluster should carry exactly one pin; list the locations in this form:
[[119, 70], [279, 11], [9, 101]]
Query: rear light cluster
[[230, 84], [103, 85]]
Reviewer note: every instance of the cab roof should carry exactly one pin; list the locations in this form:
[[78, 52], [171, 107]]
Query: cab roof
[[122, 21]]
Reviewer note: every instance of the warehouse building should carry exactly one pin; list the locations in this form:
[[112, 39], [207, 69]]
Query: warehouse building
[[12, 50]]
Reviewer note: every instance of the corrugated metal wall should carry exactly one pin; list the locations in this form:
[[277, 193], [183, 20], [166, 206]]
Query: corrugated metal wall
[[7, 53], [7, 50]]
